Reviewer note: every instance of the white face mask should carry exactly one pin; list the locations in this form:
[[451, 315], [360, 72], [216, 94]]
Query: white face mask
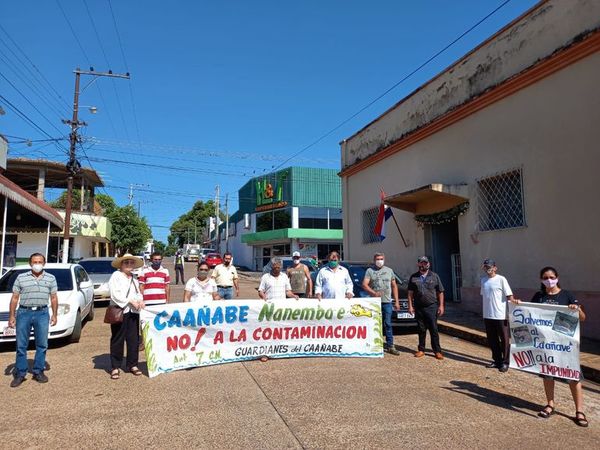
[[550, 283], [37, 268], [379, 262]]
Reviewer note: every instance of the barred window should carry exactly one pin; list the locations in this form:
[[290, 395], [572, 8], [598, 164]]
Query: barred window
[[369, 219], [500, 201]]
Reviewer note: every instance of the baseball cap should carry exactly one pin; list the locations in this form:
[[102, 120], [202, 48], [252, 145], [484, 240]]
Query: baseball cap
[[423, 259], [296, 255], [489, 262]]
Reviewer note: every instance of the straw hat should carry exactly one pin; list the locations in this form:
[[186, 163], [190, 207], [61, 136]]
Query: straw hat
[[127, 257]]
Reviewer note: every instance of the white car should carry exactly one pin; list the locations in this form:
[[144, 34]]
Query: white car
[[100, 270], [75, 301]]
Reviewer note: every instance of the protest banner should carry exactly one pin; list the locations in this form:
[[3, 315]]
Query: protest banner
[[545, 339], [182, 335]]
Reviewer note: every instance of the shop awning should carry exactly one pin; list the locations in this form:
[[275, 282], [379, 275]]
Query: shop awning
[[429, 199], [26, 202]]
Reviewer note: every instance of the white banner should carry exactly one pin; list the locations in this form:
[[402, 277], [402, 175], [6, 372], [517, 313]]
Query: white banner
[[545, 339], [181, 335]]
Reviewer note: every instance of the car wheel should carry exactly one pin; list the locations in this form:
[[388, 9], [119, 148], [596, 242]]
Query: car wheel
[[92, 312], [76, 329]]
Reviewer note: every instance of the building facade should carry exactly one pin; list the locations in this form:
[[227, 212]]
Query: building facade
[[493, 158], [294, 209]]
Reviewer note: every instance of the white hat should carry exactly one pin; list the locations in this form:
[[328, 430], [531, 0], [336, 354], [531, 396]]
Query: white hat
[[296, 254], [127, 257]]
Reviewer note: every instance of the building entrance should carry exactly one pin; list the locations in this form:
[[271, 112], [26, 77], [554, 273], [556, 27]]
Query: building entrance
[[442, 245]]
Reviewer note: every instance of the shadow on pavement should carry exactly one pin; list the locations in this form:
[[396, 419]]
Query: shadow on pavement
[[102, 362], [462, 357], [8, 370], [494, 398]]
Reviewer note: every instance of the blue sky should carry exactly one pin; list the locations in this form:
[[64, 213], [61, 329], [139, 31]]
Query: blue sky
[[219, 91]]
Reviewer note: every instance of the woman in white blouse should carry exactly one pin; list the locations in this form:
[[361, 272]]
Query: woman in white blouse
[[201, 288], [125, 293]]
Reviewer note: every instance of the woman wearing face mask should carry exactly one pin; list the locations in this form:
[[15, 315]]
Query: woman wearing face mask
[[551, 293], [201, 287], [125, 293]]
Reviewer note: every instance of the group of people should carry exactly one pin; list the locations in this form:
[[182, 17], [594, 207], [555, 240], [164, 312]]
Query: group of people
[[33, 289]]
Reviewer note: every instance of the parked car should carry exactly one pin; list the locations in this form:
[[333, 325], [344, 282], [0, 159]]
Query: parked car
[[401, 318], [99, 270], [192, 255], [213, 259], [75, 301], [206, 251]]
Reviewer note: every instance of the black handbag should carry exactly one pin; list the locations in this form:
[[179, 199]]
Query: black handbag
[[114, 313]]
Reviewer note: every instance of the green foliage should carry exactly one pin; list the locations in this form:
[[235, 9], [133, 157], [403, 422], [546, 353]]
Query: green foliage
[[191, 225], [160, 247], [129, 231], [106, 202], [61, 201]]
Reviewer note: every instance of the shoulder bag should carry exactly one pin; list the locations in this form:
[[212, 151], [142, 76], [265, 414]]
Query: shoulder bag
[[114, 313]]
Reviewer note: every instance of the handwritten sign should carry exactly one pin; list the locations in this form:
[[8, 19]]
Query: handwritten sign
[[545, 340], [182, 335]]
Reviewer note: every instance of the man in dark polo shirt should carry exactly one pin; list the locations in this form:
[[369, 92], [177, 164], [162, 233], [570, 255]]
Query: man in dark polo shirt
[[426, 302], [31, 292]]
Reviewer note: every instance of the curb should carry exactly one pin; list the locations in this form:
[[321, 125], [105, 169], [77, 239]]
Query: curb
[[478, 337]]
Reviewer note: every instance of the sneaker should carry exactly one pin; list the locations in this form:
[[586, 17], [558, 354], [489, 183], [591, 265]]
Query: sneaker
[[419, 354], [40, 377], [439, 356], [392, 351], [503, 368], [16, 382]]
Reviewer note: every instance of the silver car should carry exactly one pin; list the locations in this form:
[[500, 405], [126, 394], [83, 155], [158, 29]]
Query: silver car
[[99, 270]]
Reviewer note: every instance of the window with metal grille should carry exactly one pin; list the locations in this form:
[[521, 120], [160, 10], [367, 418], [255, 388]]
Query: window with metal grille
[[369, 218], [500, 201]]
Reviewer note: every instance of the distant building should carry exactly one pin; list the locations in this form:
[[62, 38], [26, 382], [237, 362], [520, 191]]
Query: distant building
[[494, 157], [294, 209]]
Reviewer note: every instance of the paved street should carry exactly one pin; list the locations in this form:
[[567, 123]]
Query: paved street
[[395, 402]]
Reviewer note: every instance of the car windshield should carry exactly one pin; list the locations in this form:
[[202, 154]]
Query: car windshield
[[213, 255], [193, 251], [357, 273], [97, 266], [63, 279]]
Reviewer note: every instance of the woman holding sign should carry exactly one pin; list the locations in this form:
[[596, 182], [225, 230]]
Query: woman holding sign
[[551, 293], [201, 288]]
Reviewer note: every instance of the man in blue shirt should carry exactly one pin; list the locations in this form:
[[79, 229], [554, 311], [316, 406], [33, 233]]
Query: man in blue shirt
[[31, 292]]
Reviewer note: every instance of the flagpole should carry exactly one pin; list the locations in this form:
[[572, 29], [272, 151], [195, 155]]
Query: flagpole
[[399, 231]]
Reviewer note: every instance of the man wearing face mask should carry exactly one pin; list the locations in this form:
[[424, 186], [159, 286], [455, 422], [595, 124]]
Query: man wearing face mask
[[31, 292], [333, 280], [299, 277], [495, 292], [275, 285], [154, 282], [201, 288], [226, 277], [381, 282], [426, 302]]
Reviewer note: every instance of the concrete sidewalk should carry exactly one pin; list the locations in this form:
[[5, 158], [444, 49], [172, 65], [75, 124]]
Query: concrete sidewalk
[[469, 326]]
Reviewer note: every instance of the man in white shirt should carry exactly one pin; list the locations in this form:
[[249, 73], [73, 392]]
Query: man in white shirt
[[495, 292], [226, 277], [275, 285], [333, 280]]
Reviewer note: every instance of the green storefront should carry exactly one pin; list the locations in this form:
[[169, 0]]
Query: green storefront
[[294, 209]]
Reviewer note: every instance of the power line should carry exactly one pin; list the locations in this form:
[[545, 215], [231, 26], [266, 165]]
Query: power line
[[108, 115], [108, 64], [395, 85]]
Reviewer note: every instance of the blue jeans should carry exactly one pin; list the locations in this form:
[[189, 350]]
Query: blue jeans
[[40, 320], [226, 293], [386, 315]]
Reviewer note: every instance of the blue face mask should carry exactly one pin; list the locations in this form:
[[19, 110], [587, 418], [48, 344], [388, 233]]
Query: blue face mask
[[156, 265], [333, 264]]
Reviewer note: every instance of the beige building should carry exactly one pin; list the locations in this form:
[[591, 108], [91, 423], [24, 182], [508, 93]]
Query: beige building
[[496, 157]]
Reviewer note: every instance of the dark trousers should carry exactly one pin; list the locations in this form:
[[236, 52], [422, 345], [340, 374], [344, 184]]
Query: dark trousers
[[498, 340], [427, 321], [178, 271], [126, 332]]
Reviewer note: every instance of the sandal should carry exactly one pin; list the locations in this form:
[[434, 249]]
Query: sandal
[[136, 371], [581, 421], [546, 412], [115, 374]]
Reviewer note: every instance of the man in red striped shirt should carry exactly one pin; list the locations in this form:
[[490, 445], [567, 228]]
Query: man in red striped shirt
[[154, 282]]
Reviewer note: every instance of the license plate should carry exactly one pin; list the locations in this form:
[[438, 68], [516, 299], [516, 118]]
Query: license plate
[[9, 331], [405, 315]]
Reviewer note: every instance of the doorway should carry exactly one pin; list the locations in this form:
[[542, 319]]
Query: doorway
[[442, 245]]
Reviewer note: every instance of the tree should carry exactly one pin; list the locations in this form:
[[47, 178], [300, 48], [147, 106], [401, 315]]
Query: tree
[[130, 232], [106, 202], [160, 247], [61, 201], [192, 226]]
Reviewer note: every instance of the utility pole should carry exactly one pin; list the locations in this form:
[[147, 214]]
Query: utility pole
[[226, 222], [73, 165], [217, 233], [132, 187]]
